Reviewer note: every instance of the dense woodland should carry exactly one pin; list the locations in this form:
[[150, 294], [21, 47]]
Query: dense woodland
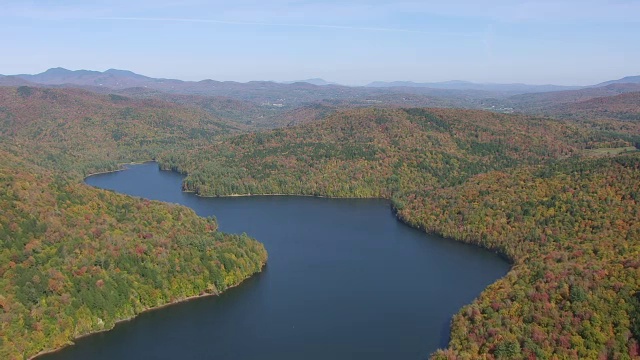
[[386, 152], [621, 107], [553, 103], [573, 233], [558, 198], [75, 260], [536, 190], [81, 132]]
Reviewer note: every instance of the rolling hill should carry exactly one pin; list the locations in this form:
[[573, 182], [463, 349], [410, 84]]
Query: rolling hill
[[621, 107], [466, 85], [77, 130], [524, 186], [260, 92], [76, 260], [624, 80], [261, 104], [541, 103], [13, 81], [314, 81]]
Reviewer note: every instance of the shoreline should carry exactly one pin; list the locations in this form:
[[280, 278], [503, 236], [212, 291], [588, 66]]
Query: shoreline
[[499, 253], [151, 309], [250, 195], [121, 168], [394, 210], [296, 195]]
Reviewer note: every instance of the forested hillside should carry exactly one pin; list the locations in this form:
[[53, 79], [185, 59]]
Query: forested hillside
[[526, 187], [572, 230], [73, 259], [621, 107], [78, 131], [382, 152], [544, 103]]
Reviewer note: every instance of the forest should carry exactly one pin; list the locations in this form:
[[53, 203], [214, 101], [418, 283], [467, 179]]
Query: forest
[[80, 132], [572, 233], [76, 260], [557, 197], [532, 189], [387, 152]]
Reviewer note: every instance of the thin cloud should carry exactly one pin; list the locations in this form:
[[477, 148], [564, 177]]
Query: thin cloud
[[515, 11], [318, 26]]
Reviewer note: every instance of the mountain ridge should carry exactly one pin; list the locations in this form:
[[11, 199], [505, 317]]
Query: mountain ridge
[[624, 80], [58, 75], [314, 81], [467, 85], [276, 97]]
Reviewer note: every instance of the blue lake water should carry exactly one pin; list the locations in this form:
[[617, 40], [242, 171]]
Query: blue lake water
[[345, 280]]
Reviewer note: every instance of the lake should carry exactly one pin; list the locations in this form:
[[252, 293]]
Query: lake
[[344, 280]]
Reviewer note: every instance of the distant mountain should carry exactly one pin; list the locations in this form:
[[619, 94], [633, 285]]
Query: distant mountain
[[273, 98], [440, 85], [624, 80], [315, 81], [263, 93], [111, 78], [12, 81], [465, 85], [546, 101]]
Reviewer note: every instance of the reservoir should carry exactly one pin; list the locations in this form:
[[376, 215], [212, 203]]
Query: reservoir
[[344, 280]]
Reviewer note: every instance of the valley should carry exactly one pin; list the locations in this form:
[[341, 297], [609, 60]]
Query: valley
[[555, 193]]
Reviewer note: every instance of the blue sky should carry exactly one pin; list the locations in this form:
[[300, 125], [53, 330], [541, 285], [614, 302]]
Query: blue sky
[[351, 42]]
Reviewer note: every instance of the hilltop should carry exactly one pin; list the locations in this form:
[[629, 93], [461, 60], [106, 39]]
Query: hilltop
[[264, 104], [624, 80]]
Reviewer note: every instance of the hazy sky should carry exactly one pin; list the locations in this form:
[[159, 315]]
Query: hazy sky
[[352, 42]]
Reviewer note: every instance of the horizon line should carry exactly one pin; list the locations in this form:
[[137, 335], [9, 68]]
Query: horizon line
[[364, 83]]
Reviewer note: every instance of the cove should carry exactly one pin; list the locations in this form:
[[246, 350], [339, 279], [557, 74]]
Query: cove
[[345, 280]]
